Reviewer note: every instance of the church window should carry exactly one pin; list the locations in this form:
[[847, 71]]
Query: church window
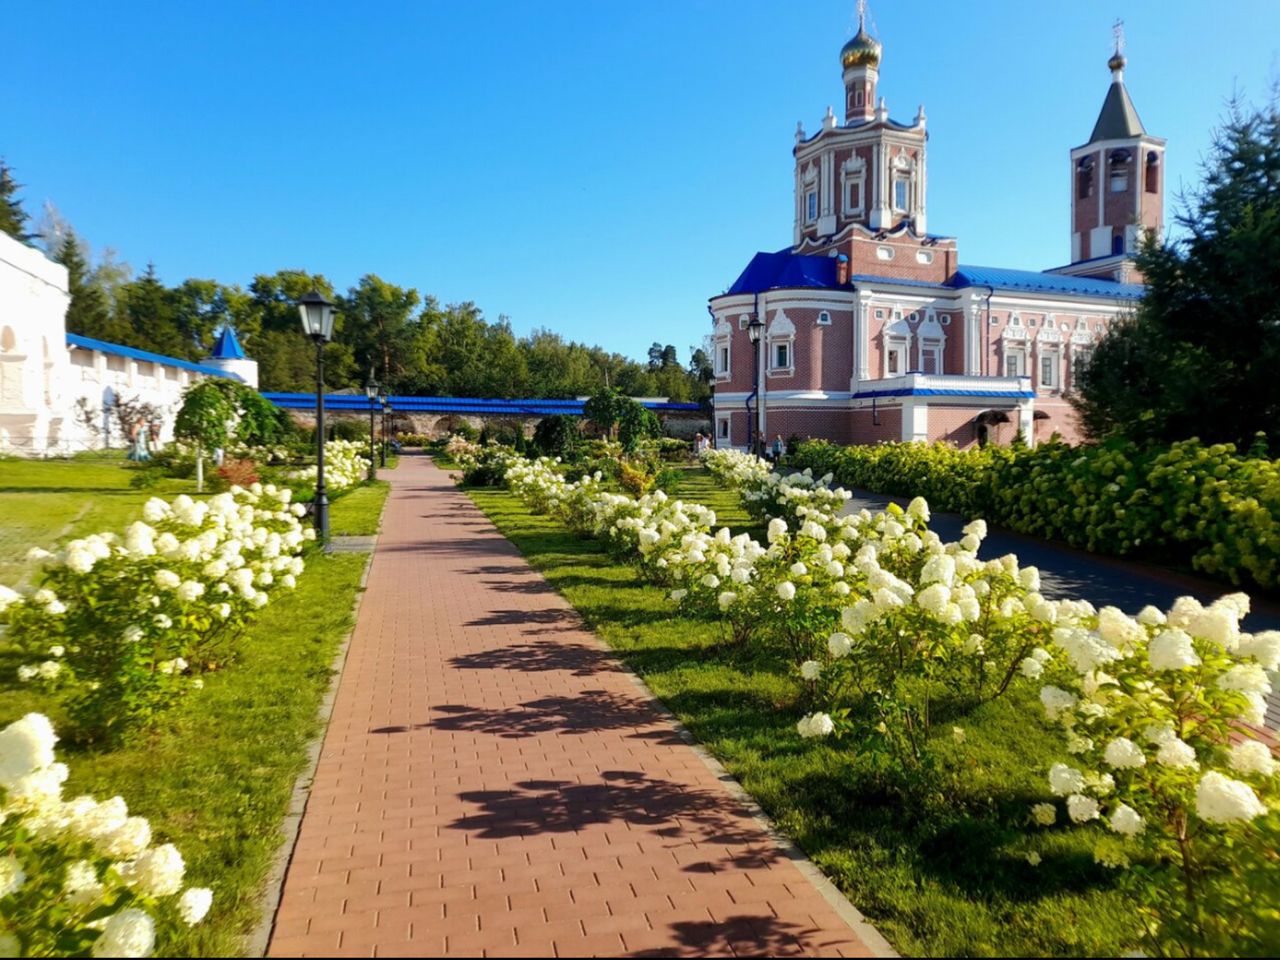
[[1117, 244], [895, 359], [900, 194], [722, 428], [1015, 363], [824, 319], [1120, 171], [1153, 172], [781, 356], [1084, 179], [857, 98], [1049, 371], [853, 195], [811, 206], [722, 360], [931, 357], [1080, 360]]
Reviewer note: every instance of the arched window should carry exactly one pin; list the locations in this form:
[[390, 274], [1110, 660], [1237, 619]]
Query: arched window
[[1084, 178], [1153, 172], [1119, 171], [1117, 244]]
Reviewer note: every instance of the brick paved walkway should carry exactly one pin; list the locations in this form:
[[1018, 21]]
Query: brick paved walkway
[[492, 782]]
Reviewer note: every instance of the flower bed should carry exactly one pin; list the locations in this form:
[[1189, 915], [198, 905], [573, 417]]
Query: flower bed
[[887, 624], [123, 626], [1208, 506], [79, 877]]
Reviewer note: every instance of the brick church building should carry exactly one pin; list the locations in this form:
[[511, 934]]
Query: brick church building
[[871, 328]]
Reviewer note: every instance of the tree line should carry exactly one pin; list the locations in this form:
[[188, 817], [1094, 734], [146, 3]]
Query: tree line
[[412, 343]]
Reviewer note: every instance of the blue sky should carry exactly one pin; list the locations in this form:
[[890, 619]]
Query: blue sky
[[596, 168]]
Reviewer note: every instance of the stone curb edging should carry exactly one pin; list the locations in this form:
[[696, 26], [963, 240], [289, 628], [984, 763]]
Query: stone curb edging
[[256, 943], [845, 909], [851, 915]]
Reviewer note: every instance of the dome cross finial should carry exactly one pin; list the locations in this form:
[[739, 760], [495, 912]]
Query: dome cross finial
[[862, 14], [1117, 61]]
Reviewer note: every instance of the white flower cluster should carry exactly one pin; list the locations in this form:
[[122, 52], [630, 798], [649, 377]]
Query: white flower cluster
[[84, 855], [735, 469], [346, 463], [116, 615], [1159, 710]]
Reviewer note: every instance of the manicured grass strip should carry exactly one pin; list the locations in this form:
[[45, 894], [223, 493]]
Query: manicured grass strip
[[943, 875], [217, 776], [356, 513], [698, 485]]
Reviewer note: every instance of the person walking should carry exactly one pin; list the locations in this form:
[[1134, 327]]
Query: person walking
[[777, 449]]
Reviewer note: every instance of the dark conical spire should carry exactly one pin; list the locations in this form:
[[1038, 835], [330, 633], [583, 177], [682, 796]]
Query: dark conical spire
[[1118, 119]]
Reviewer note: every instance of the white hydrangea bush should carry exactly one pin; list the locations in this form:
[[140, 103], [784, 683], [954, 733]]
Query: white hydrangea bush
[[79, 877], [882, 617], [735, 469], [123, 625], [346, 464], [1161, 716]]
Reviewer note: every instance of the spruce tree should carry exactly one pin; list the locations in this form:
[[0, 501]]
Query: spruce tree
[[13, 219], [88, 313]]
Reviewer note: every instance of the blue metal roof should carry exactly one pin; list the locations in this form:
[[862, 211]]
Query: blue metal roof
[[459, 405], [227, 346], [769, 271], [89, 343], [943, 392], [1033, 281]]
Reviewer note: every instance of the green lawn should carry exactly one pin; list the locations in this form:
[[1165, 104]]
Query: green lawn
[[946, 876], [217, 774], [43, 502]]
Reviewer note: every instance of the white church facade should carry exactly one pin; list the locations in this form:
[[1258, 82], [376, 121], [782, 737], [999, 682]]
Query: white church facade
[[59, 392]]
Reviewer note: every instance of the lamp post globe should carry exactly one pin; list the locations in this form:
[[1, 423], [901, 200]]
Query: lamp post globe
[[371, 394], [317, 315], [755, 331]]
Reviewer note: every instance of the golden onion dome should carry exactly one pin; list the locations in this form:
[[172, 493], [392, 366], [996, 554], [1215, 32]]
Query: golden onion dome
[[1117, 61], [862, 51]]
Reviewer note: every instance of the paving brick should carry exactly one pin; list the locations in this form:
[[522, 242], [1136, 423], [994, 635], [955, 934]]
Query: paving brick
[[493, 782]]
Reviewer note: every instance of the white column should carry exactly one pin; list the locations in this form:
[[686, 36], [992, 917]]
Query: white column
[[861, 339]]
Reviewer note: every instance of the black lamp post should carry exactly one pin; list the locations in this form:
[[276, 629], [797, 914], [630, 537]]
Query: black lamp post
[[755, 329], [385, 403], [317, 323], [371, 392]]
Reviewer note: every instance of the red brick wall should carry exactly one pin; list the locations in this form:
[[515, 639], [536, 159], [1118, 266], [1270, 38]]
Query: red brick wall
[[861, 252], [867, 426]]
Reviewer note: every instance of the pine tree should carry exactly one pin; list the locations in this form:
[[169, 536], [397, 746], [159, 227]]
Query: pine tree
[[88, 313], [13, 219]]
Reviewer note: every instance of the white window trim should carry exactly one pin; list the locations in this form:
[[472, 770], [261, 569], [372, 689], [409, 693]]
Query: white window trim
[[896, 347], [1055, 357], [1020, 354], [781, 332], [722, 340], [724, 429], [810, 209], [824, 319], [937, 347]]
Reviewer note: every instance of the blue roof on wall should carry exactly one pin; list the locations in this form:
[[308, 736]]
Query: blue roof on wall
[[769, 271], [89, 343], [1036, 282], [227, 346], [458, 405]]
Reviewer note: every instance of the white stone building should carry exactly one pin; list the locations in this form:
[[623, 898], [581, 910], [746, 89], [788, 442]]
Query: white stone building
[[58, 391]]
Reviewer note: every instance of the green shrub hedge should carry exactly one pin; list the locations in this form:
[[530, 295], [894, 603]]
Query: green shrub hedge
[[1207, 505]]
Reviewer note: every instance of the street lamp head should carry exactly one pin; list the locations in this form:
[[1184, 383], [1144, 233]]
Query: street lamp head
[[371, 386], [755, 329], [317, 316], [382, 397]]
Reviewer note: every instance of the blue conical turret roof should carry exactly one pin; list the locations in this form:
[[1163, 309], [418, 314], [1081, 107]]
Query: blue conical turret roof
[[227, 347]]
